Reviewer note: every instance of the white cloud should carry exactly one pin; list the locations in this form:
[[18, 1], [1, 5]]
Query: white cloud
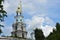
[[47, 29], [10, 6], [6, 5], [41, 23], [36, 20], [28, 6], [6, 29], [34, 7], [42, 1], [37, 7], [2, 23], [49, 21]]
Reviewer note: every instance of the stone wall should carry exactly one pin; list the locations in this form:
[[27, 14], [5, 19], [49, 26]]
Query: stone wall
[[10, 38], [3, 38]]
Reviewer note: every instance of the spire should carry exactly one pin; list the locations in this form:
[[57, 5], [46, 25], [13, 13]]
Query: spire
[[19, 9], [19, 16]]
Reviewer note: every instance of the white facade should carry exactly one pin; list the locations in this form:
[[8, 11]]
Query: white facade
[[19, 34], [19, 29]]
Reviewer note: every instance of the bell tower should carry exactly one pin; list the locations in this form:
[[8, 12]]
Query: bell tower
[[19, 27], [19, 17]]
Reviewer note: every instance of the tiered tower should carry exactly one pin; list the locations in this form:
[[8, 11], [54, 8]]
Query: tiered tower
[[19, 27]]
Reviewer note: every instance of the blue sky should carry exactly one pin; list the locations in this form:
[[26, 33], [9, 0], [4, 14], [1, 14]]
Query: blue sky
[[42, 14]]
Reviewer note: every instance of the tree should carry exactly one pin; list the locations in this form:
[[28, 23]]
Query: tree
[[3, 14], [1, 1], [0, 31], [52, 36], [39, 34], [58, 31], [56, 34], [58, 27], [0, 28]]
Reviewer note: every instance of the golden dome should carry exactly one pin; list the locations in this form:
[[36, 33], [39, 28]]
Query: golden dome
[[19, 9]]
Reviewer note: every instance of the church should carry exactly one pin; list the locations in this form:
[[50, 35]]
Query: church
[[19, 27]]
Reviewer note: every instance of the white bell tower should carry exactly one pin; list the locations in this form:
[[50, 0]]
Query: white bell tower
[[19, 27]]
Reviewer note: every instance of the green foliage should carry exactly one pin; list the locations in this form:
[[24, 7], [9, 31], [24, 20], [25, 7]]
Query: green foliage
[[38, 34], [56, 34], [58, 27], [3, 14], [53, 36], [1, 1], [0, 31], [1, 25]]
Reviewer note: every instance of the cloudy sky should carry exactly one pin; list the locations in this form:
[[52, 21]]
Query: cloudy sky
[[42, 14]]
